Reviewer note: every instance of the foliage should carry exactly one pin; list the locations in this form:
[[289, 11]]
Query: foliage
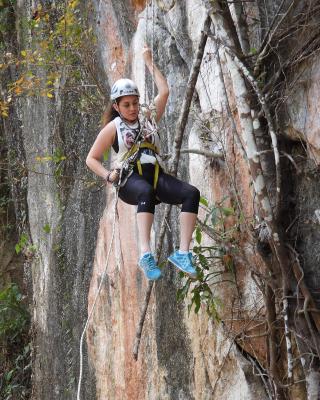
[[13, 315], [15, 352], [25, 246], [211, 262], [57, 158], [59, 37]]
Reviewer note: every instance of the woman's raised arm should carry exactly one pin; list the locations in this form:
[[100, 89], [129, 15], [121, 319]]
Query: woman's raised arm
[[160, 81]]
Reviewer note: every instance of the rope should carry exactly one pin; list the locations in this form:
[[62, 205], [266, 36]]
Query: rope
[[97, 295], [144, 124], [154, 130], [152, 50], [147, 33]]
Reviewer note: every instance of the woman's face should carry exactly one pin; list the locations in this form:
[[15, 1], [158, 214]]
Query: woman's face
[[128, 106]]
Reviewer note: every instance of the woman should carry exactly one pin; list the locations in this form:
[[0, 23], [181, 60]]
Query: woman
[[147, 185]]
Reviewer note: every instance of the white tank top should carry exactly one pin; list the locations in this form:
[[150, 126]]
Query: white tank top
[[127, 133]]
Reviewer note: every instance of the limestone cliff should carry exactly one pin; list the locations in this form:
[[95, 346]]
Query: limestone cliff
[[255, 100]]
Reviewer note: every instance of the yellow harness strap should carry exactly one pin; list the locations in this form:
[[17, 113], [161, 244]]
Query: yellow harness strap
[[145, 145], [139, 167], [156, 175], [136, 147], [156, 172]]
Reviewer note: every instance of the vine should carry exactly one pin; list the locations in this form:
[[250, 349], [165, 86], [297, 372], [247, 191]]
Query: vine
[[212, 262]]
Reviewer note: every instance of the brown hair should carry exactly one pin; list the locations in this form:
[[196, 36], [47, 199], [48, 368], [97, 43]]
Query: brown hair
[[109, 114]]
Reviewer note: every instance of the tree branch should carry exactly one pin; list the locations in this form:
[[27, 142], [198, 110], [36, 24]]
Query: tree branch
[[180, 128], [205, 153], [185, 108], [245, 71]]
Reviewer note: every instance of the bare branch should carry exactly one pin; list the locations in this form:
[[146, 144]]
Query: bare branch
[[288, 339], [181, 124], [185, 108], [205, 153], [269, 36]]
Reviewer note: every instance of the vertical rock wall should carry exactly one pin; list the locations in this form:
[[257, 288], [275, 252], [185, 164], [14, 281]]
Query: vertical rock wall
[[182, 355]]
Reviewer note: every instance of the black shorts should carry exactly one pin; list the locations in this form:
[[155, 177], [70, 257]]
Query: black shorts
[[139, 191]]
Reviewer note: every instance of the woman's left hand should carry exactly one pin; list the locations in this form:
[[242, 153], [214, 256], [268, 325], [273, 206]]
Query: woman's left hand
[[146, 53]]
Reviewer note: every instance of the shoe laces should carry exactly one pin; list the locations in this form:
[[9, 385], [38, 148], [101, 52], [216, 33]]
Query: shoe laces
[[150, 262], [185, 259]]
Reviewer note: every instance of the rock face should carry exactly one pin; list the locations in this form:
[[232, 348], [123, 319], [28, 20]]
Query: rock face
[[304, 112], [183, 356]]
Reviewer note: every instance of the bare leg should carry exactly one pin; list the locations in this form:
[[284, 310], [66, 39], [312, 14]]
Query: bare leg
[[187, 224], [144, 221]]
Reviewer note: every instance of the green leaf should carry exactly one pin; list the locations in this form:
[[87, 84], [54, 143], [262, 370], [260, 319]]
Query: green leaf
[[8, 375], [203, 261], [197, 301], [182, 292], [46, 228], [198, 235], [227, 211], [204, 201], [58, 156], [214, 216], [200, 275], [196, 249]]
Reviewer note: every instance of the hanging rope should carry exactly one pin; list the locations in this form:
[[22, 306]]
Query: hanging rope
[[151, 106], [97, 295], [145, 67], [148, 121], [152, 51], [151, 129]]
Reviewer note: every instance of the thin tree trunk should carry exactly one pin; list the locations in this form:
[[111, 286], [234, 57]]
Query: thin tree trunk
[[180, 128], [241, 26]]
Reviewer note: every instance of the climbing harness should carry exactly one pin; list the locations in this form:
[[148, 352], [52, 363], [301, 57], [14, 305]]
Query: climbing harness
[[148, 127]]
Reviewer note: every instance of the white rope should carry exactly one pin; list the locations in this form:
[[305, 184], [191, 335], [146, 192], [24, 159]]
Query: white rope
[[154, 130], [147, 33], [152, 50], [145, 38], [97, 295]]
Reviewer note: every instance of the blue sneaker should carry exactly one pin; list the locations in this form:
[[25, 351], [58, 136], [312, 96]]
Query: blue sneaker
[[149, 267], [184, 263]]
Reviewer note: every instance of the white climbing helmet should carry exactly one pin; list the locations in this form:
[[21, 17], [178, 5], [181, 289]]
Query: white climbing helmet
[[124, 87]]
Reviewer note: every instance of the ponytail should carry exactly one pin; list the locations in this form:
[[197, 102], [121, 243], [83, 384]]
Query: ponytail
[[109, 114]]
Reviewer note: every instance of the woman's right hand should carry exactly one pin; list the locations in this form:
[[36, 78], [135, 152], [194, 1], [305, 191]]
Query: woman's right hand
[[113, 176]]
